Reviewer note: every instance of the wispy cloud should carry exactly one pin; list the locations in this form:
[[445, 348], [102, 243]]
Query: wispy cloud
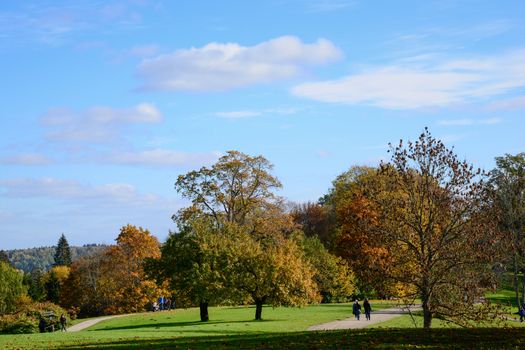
[[56, 24], [26, 159], [513, 103], [96, 124], [72, 190], [427, 84], [218, 66], [163, 157], [87, 213], [468, 122]]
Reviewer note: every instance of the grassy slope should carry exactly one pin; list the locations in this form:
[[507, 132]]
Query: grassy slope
[[282, 328], [225, 322]]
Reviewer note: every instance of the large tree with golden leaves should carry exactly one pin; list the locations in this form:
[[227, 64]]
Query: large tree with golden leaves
[[438, 221]]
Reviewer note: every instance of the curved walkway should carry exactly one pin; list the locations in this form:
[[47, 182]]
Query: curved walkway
[[352, 323], [86, 324]]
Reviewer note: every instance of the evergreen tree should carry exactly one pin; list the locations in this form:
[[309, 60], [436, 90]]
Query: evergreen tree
[[62, 253], [34, 281], [52, 287], [4, 257]]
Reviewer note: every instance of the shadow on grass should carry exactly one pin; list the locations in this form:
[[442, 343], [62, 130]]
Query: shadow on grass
[[175, 324], [487, 338]]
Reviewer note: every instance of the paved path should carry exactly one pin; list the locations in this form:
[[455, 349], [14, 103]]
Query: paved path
[[352, 323], [86, 324]]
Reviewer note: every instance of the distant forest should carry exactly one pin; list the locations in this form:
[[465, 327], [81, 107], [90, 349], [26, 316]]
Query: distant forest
[[42, 257]]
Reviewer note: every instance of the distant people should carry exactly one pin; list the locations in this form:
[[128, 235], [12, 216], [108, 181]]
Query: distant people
[[155, 306], [368, 309], [161, 303], [42, 325], [356, 309], [168, 304], [521, 313], [63, 321]]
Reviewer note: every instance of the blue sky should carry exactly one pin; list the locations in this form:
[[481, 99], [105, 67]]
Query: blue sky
[[104, 103]]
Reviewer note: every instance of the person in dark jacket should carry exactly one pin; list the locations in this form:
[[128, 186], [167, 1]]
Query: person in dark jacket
[[356, 309], [63, 321], [368, 309], [42, 325]]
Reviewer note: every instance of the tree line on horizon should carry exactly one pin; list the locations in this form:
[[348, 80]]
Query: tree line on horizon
[[41, 258], [424, 227]]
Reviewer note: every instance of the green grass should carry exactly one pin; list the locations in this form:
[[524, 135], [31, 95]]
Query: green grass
[[184, 323], [281, 328]]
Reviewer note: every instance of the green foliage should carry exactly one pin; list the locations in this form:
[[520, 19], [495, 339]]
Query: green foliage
[[42, 257], [17, 324], [508, 180], [4, 257], [190, 262], [11, 287], [62, 255], [334, 278], [27, 316], [52, 287], [34, 281]]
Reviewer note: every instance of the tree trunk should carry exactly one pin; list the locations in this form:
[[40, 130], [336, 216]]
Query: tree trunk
[[204, 311], [427, 316], [425, 298], [258, 308]]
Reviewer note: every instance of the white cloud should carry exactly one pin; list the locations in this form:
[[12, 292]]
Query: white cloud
[[428, 84], [26, 159], [86, 213], [97, 124], [164, 157], [467, 122], [72, 190], [218, 66]]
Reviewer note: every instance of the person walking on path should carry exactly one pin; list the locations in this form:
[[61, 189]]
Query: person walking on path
[[368, 309], [356, 309], [63, 322]]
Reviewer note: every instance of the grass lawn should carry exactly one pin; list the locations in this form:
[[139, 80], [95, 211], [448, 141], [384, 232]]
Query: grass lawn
[[184, 323], [281, 328]]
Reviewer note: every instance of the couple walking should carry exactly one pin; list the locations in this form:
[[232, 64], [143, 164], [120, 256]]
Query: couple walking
[[356, 309]]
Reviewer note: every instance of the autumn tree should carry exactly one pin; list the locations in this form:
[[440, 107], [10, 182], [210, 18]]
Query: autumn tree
[[271, 269], [436, 217], [231, 189], [357, 220], [316, 220], [114, 281], [62, 252], [332, 274], [89, 286], [11, 287], [508, 180], [191, 262], [53, 281], [132, 290]]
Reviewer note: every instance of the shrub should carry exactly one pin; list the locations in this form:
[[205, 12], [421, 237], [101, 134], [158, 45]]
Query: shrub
[[27, 316], [18, 324]]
